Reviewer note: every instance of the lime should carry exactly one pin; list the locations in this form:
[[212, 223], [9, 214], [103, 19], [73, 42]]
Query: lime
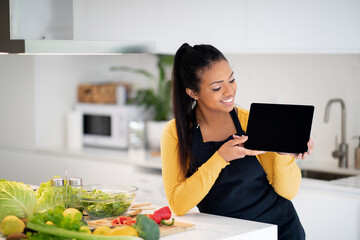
[[123, 230], [11, 224], [102, 230]]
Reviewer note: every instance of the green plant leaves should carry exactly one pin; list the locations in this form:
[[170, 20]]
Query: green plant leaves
[[134, 70], [158, 99]]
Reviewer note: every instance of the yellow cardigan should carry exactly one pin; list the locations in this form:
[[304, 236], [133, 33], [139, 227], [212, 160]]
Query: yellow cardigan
[[185, 193]]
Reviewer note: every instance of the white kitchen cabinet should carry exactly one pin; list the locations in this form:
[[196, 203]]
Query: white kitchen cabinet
[[328, 211], [34, 167], [150, 184], [41, 19], [336, 25], [234, 26], [279, 25], [169, 23]]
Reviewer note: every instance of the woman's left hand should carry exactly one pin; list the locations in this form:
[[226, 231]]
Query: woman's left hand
[[304, 155]]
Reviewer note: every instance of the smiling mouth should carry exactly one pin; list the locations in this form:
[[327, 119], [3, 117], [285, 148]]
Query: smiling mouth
[[227, 100]]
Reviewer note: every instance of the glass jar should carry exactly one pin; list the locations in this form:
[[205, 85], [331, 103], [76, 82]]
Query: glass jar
[[74, 193], [58, 191]]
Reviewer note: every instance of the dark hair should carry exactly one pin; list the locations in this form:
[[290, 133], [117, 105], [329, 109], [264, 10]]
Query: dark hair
[[189, 63]]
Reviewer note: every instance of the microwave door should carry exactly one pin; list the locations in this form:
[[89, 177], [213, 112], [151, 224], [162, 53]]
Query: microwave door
[[97, 125]]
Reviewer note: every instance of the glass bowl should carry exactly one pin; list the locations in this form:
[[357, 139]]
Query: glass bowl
[[102, 201]]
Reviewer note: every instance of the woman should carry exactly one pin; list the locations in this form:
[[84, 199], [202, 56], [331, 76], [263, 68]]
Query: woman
[[204, 163]]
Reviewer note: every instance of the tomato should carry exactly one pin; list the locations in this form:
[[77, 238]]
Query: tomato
[[123, 221], [115, 222]]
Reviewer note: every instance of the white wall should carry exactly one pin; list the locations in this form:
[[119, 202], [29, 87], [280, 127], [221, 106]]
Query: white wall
[[303, 79], [57, 78]]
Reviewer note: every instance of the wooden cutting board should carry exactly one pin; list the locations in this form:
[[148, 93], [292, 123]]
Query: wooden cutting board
[[176, 228], [164, 230]]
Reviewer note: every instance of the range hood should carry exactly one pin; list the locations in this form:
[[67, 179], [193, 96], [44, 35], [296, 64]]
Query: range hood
[[46, 27]]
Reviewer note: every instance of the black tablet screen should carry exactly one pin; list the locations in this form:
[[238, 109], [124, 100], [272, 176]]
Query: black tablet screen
[[279, 127]]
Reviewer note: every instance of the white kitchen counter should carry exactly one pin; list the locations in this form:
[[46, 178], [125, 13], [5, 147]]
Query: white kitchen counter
[[150, 159], [216, 227], [351, 183], [330, 187], [211, 227], [206, 226], [141, 158], [320, 166], [316, 201]]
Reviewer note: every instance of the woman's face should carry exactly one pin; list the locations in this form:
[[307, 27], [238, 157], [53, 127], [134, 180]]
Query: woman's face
[[217, 87]]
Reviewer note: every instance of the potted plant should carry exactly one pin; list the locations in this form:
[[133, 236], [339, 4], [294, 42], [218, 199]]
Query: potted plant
[[156, 100]]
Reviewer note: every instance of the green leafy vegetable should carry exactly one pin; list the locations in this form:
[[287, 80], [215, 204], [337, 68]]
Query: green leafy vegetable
[[16, 199], [99, 204], [65, 227], [147, 228], [56, 216], [45, 197], [74, 198]]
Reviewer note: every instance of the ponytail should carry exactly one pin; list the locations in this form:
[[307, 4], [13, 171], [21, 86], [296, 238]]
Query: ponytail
[[188, 64]]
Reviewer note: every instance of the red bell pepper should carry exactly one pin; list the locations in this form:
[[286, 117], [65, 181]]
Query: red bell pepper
[[159, 217]]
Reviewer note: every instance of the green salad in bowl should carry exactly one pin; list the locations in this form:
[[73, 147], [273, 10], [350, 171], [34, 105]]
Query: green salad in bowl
[[101, 201]]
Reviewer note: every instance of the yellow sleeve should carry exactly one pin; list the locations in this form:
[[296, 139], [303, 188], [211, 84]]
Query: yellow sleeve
[[282, 172], [185, 193]]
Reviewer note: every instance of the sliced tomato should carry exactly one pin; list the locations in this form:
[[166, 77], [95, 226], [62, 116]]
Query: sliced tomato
[[129, 222], [115, 222], [123, 221]]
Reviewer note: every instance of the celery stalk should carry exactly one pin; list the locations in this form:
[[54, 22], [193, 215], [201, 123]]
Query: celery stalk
[[52, 230]]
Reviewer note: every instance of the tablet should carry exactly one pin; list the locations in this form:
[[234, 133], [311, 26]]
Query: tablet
[[279, 127]]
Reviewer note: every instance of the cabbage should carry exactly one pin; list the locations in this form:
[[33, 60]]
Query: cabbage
[[16, 199], [45, 196]]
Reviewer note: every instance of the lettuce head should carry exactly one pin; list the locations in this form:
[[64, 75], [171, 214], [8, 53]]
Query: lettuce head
[[16, 199]]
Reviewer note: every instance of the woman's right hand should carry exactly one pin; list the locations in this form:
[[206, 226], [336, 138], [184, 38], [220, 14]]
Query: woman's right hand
[[234, 149]]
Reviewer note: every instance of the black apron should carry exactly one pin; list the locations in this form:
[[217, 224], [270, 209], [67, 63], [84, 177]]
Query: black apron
[[242, 189]]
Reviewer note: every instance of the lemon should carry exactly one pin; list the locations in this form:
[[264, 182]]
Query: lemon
[[50, 223], [123, 230], [85, 229], [72, 213], [11, 224], [102, 230]]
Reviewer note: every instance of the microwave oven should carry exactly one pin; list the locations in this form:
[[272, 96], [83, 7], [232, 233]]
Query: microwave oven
[[107, 125]]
